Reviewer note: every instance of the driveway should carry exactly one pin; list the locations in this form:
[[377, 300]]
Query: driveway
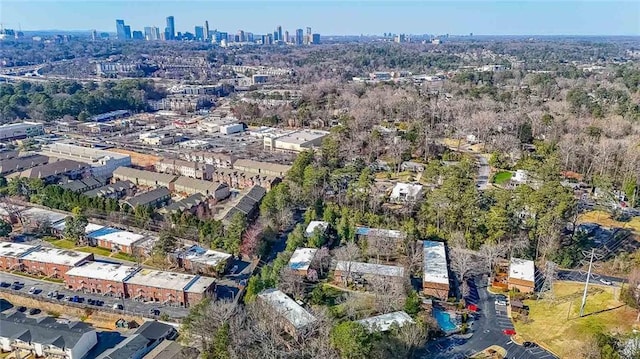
[[486, 327], [483, 173]]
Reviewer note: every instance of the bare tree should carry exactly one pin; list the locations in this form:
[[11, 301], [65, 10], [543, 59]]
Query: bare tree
[[389, 294], [348, 253], [490, 253], [322, 260], [464, 263], [291, 282]]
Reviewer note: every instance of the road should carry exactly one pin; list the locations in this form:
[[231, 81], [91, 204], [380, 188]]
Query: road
[[44, 287], [487, 328], [484, 171], [581, 276]]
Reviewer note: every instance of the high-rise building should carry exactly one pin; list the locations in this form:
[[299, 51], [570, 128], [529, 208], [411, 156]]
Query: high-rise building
[[299, 37], [286, 37], [199, 33], [171, 28], [155, 31], [121, 32], [94, 35], [241, 36], [279, 31], [207, 37], [147, 33], [315, 39], [137, 35], [307, 38], [127, 32]]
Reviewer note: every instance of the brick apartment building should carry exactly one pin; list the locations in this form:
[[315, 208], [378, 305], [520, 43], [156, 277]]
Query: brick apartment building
[[99, 277], [52, 262]]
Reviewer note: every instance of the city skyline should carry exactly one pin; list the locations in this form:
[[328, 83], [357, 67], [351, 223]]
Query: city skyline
[[336, 18]]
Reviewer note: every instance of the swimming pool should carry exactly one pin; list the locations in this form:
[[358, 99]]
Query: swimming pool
[[444, 320]]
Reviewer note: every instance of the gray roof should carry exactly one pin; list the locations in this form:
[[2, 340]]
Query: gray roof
[[256, 193], [53, 168], [248, 203], [42, 330], [21, 163], [127, 348], [148, 197], [110, 188], [82, 185], [154, 330], [186, 203], [132, 173]]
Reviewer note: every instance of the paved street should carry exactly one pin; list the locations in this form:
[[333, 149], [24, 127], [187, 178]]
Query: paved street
[[44, 287], [581, 276], [487, 329]]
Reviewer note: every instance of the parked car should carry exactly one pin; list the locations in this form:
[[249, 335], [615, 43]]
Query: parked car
[[500, 302], [118, 306], [529, 344], [605, 282], [91, 301], [75, 299], [510, 332], [22, 309], [34, 311], [5, 284], [67, 298], [56, 295], [154, 311], [16, 286], [99, 303], [50, 295], [32, 290]]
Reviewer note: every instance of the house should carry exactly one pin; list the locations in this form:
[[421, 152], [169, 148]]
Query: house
[[239, 179], [301, 260], [101, 163], [46, 337], [384, 322], [435, 279], [99, 277], [58, 229], [361, 272], [185, 168], [521, 176], [116, 240], [147, 337], [294, 318], [83, 185], [189, 186], [10, 254], [316, 225], [52, 172], [34, 217], [248, 204], [406, 192], [17, 164], [219, 160], [116, 190], [380, 241], [144, 178], [52, 262], [154, 198], [169, 288], [187, 204], [263, 168], [200, 260], [522, 274]]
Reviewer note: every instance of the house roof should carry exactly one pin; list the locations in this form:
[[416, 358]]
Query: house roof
[[126, 349], [186, 203], [370, 268], [148, 197], [49, 331], [20, 163], [41, 214], [204, 256], [116, 236], [56, 256], [259, 167], [522, 269], [383, 322], [256, 193], [293, 312], [166, 280], [379, 232], [154, 330], [406, 190], [53, 169], [132, 173], [198, 185], [14, 250], [103, 270], [320, 225], [301, 258], [107, 189], [435, 263]]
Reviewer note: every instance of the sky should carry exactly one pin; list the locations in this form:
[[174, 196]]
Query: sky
[[346, 17]]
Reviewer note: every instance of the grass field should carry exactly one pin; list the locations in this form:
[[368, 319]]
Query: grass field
[[64, 243], [124, 257], [556, 324], [95, 250], [501, 177], [604, 219]]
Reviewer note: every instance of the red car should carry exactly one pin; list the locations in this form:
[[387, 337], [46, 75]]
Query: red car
[[509, 332]]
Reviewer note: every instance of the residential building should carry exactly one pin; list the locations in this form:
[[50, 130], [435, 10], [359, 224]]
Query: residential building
[[114, 115], [113, 190], [34, 217], [10, 254], [264, 168], [294, 318], [16, 131], [46, 337], [114, 239], [521, 176], [112, 69], [435, 279], [315, 39], [185, 168], [406, 192], [52, 262], [102, 162], [58, 229], [240, 179], [522, 275], [295, 141], [144, 178], [169, 288], [155, 198], [147, 337], [188, 204], [380, 241], [123, 32], [219, 160], [191, 186], [83, 185], [316, 225], [301, 260], [200, 260], [99, 277], [248, 205], [384, 322], [18, 164], [52, 172], [359, 272]]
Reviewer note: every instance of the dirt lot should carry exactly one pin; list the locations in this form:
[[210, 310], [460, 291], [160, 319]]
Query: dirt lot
[[138, 159], [604, 219], [557, 325]]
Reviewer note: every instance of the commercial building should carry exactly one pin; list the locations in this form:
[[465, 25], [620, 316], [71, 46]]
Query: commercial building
[[360, 271], [102, 162], [144, 178], [52, 262], [16, 131], [231, 128], [155, 198], [10, 254], [169, 288], [18, 164], [293, 317], [191, 186], [384, 322], [52, 172], [263, 168], [522, 275], [435, 279], [114, 239], [100, 278], [295, 141], [46, 337], [219, 160], [301, 260], [200, 260], [406, 192], [185, 168]]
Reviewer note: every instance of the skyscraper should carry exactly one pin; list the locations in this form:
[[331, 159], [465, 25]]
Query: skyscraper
[[171, 28], [148, 33], [199, 32], [299, 36], [94, 35], [206, 31], [127, 31], [279, 30], [137, 35], [120, 30], [155, 33], [286, 37], [307, 39]]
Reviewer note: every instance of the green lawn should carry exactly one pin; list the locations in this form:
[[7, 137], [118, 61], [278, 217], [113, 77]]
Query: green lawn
[[124, 257], [502, 177], [95, 250], [64, 243]]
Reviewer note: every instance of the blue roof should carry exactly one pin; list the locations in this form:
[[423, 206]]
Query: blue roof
[[363, 231], [103, 231]]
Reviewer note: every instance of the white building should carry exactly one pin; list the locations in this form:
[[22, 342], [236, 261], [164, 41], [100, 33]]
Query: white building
[[295, 317], [406, 192], [384, 322], [301, 259], [231, 128], [16, 131], [313, 225], [102, 162], [521, 176], [347, 268], [185, 168], [522, 275], [295, 141], [435, 279]]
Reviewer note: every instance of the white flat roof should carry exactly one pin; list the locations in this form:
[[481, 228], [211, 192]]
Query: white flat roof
[[321, 225], [56, 256], [523, 269], [435, 263], [44, 214], [302, 136], [161, 279], [370, 268], [301, 258], [11, 249], [383, 322], [379, 232], [210, 257], [116, 236], [102, 270], [293, 312], [200, 285], [88, 229]]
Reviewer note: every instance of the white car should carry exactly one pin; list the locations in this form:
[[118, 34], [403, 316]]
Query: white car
[[32, 290], [501, 302], [605, 282]]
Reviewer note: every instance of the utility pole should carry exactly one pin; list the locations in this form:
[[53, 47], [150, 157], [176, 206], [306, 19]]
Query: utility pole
[[586, 284]]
